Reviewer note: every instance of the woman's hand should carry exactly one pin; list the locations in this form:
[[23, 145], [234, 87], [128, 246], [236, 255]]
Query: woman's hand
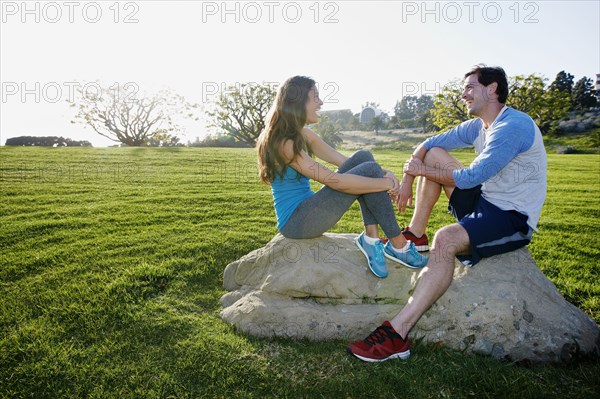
[[395, 190]]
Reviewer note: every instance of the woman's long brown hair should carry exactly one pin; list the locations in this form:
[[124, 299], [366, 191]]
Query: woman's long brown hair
[[286, 119]]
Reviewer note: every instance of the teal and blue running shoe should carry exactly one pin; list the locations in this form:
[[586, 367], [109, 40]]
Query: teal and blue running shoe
[[374, 255], [411, 258]]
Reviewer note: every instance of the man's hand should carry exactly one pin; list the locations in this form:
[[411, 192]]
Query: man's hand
[[414, 167], [405, 195]]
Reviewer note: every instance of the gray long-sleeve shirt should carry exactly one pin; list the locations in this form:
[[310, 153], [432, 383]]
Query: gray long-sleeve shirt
[[511, 163]]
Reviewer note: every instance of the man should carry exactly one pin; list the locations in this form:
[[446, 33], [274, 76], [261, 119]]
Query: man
[[497, 199]]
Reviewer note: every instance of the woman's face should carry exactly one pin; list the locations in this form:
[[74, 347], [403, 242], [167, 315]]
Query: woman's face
[[313, 104]]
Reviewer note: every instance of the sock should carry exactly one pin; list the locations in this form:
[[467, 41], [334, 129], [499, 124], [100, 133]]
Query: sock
[[413, 233], [404, 249], [370, 240]]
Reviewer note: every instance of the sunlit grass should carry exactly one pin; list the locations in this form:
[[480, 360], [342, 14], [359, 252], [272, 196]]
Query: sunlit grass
[[111, 265]]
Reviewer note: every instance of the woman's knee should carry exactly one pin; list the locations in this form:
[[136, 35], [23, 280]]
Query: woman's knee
[[367, 169], [362, 156]]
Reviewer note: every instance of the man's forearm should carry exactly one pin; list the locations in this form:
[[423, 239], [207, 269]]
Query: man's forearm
[[418, 153], [416, 166]]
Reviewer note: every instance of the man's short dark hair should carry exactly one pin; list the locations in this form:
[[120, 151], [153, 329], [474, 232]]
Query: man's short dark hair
[[487, 75]]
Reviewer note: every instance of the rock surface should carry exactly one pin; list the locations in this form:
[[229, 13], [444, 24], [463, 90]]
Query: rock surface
[[321, 289]]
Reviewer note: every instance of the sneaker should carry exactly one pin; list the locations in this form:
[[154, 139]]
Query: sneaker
[[374, 255], [382, 344], [466, 260], [421, 243], [411, 258]]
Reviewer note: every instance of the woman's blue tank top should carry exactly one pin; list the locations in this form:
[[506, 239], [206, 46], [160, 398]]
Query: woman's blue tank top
[[288, 193]]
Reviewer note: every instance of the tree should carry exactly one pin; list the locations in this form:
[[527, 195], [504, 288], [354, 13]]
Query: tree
[[545, 106], [370, 104], [163, 139], [583, 94], [377, 123], [448, 108], [342, 119], [526, 93], [406, 108], [354, 123], [120, 116], [241, 111], [328, 131], [413, 111], [217, 140], [345, 119], [46, 141], [424, 105], [563, 82]]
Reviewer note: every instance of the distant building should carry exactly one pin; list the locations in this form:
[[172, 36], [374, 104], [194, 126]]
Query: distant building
[[369, 112]]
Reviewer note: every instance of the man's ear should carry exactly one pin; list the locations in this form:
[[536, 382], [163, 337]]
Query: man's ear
[[491, 90]]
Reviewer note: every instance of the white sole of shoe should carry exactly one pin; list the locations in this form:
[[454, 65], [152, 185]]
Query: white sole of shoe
[[400, 355], [394, 259]]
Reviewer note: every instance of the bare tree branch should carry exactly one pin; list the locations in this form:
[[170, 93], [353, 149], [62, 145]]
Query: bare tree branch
[[133, 121], [242, 110]]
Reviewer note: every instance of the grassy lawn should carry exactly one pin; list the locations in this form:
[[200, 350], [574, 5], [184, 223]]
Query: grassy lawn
[[585, 142], [111, 263]]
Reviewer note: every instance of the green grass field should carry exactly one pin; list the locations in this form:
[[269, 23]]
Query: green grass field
[[111, 272]]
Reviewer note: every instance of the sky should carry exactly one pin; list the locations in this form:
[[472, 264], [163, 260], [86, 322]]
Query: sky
[[357, 51]]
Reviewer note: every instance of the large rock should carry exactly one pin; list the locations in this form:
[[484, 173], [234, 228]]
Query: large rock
[[321, 289]]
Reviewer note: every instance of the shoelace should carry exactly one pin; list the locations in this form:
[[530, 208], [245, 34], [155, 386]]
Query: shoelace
[[379, 252], [380, 334]]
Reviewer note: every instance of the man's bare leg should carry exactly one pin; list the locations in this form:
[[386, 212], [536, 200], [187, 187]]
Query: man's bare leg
[[435, 278], [449, 241], [428, 194], [428, 191]]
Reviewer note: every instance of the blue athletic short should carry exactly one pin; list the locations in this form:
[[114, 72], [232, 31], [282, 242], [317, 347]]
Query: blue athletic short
[[491, 230]]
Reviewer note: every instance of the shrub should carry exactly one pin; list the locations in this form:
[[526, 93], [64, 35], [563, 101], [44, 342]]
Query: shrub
[[566, 150]]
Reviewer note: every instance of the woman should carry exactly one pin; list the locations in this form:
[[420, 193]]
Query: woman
[[285, 162]]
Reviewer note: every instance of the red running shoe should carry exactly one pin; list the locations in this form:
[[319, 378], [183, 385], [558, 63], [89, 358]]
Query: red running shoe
[[422, 243], [382, 344]]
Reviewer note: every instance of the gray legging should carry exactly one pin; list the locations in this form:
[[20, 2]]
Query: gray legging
[[317, 214]]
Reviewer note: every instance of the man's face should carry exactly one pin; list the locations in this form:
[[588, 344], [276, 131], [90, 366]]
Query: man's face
[[475, 95]]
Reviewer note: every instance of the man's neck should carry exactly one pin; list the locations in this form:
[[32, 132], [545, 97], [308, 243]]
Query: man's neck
[[489, 115]]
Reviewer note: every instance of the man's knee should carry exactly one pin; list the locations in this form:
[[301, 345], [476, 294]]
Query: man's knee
[[434, 155], [450, 241], [441, 158], [446, 163]]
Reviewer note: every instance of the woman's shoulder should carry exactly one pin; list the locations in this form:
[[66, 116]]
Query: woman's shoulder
[[287, 146], [308, 134], [286, 149]]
